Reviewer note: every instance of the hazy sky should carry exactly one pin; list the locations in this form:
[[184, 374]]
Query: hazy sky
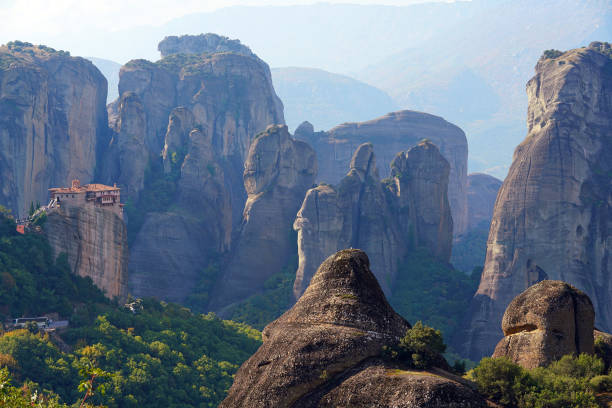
[[33, 18]]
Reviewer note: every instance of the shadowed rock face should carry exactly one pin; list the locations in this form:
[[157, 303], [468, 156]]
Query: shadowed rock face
[[553, 215], [277, 173], [392, 133], [323, 351], [95, 241], [482, 192], [385, 219], [200, 113], [421, 177], [52, 122], [546, 322], [199, 44]]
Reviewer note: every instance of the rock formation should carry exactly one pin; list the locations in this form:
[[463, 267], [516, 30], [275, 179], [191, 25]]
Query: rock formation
[[390, 134], [324, 352], [420, 182], [385, 219], [277, 173], [201, 113], [553, 215], [95, 241], [52, 122], [482, 192], [201, 44], [545, 322]]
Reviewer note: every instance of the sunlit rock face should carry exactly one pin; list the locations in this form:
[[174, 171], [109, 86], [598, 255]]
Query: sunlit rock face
[[553, 215], [52, 122]]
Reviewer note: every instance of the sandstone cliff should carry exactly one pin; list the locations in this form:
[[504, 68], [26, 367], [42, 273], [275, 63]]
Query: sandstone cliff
[[324, 352], [545, 322], [52, 122], [390, 134], [277, 173], [201, 44], [482, 192], [95, 241], [200, 113], [553, 215], [385, 219]]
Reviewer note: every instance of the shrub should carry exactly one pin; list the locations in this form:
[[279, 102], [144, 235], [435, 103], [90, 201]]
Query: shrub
[[500, 380], [569, 382], [552, 54], [420, 348]]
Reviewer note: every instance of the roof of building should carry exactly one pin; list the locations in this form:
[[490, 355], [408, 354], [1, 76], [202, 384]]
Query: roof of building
[[78, 188]]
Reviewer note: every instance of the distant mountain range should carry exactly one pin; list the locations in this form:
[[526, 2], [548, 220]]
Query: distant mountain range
[[326, 99], [467, 61]]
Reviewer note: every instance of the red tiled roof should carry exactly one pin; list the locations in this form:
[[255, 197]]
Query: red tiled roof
[[83, 189]]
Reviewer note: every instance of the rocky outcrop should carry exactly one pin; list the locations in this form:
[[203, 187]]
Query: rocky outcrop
[[324, 351], [482, 192], [95, 241], [52, 122], [390, 134], [201, 44], [277, 173], [201, 113], [127, 157], [386, 219], [546, 322], [420, 182], [553, 215]]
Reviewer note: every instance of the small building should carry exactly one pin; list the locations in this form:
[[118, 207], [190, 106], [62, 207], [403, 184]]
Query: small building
[[97, 195]]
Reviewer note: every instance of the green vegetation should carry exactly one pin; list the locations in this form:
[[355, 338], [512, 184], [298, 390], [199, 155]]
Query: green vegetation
[[552, 54], [570, 382], [432, 292], [176, 62], [33, 282], [262, 308], [420, 348], [159, 355]]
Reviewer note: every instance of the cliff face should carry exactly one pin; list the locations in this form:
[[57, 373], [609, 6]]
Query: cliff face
[[277, 173], [390, 134], [553, 215], [200, 113], [482, 192], [324, 351], [385, 219], [52, 122], [95, 241], [421, 177]]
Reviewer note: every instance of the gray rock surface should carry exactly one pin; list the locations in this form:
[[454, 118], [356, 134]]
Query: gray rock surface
[[545, 322], [553, 215], [201, 44], [482, 192], [52, 122], [324, 351], [382, 218], [201, 113], [392, 133], [95, 241], [277, 173]]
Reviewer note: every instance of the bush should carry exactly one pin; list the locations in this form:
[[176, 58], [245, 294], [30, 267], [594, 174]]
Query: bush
[[552, 54], [601, 383], [569, 382], [420, 348], [500, 380]]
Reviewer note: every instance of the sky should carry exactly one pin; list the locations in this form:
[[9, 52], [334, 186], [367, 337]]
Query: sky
[[35, 18]]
